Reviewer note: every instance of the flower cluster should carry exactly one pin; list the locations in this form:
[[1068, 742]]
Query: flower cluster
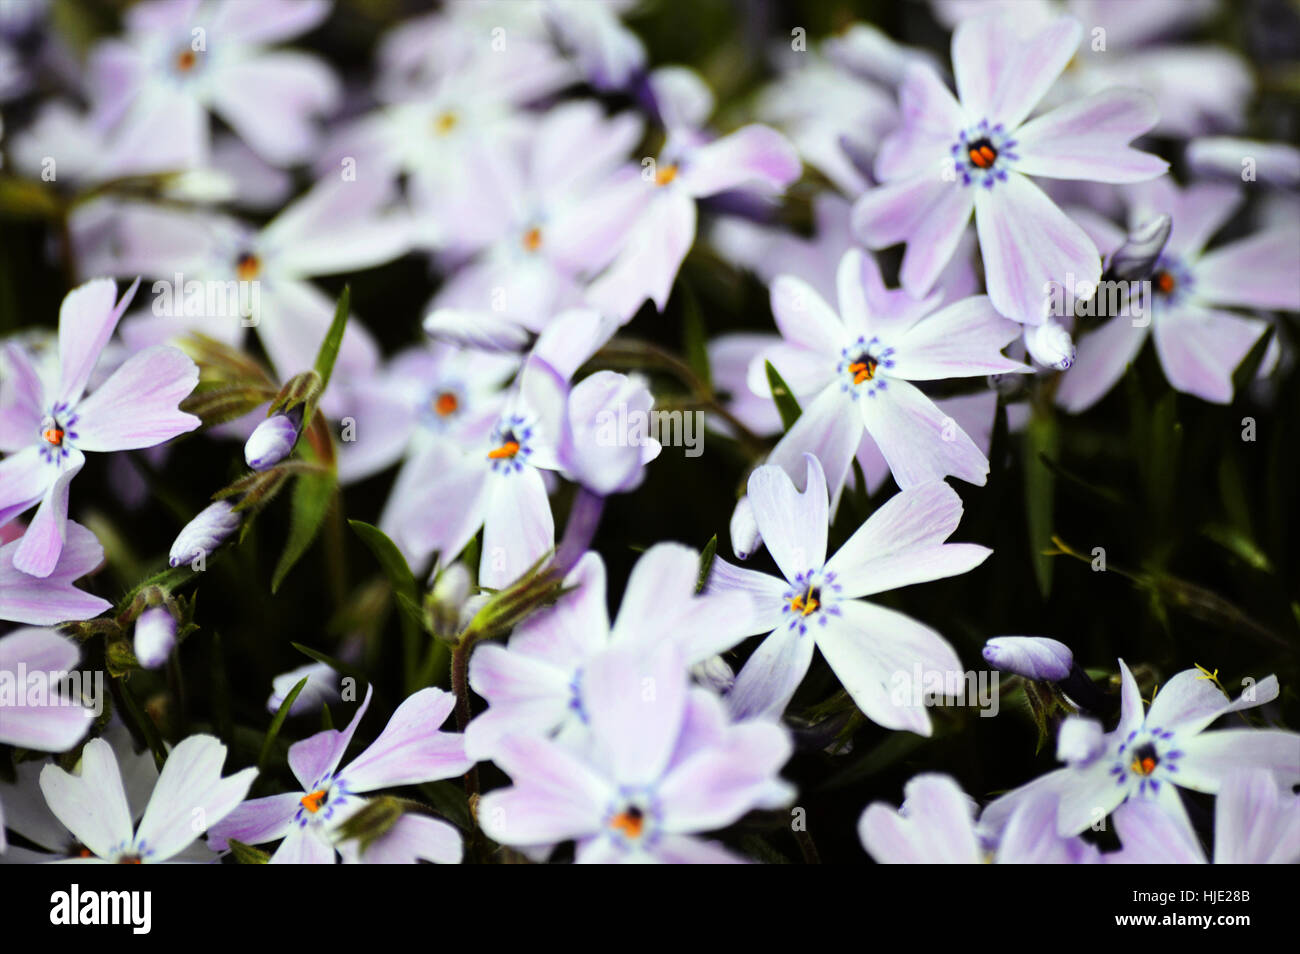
[[498, 276]]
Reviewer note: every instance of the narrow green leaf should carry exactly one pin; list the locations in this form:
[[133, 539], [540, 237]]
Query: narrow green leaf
[[149, 731], [706, 563], [390, 558], [313, 495], [1249, 367], [247, 854], [1041, 442], [786, 404], [277, 721], [448, 800], [695, 338], [329, 349]]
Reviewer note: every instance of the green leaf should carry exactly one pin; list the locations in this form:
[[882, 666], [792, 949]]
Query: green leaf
[[281, 714], [1042, 439], [1249, 367], [329, 349], [695, 338], [247, 854], [448, 800], [167, 579], [706, 563], [390, 559], [145, 725], [786, 405], [313, 495]]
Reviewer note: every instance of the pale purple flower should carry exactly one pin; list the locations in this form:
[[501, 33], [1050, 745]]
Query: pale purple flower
[[271, 442], [536, 682], [47, 600], [689, 167], [951, 158], [1199, 342], [322, 687], [1224, 157], [1149, 755], [190, 797], [610, 55], [36, 711], [210, 528], [1033, 657], [816, 602], [47, 428], [155, 635], [852, 372], [1256, 822], [409, 751], [663, 765], [936, 825], [181, 60]]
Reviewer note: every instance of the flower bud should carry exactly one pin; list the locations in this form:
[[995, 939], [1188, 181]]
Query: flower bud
[[714, 673], [208, 530], [1034, 657], [1135, 260], [1050, 345], [745, 538], [322, 687], [155, 635], [1079, 740], [271, 442]]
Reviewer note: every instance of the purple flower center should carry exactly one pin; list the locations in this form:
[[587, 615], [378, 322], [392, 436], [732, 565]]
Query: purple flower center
[[58, 433], [510, 446], [982, 154], [860, 365]]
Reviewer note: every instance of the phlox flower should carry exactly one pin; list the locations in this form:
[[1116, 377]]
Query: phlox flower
[[48, 427], [1256, 822], [35, 711], [662, 766], [47, 600], [536, 682], [93, 806], [1149, 755], [183, 59], [817, 601], [1198, 340], [976, 153], [852, 371], [410, 750], [936, 825]]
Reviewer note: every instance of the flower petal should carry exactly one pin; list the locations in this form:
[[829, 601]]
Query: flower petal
[[138, 405], [1089, 139]]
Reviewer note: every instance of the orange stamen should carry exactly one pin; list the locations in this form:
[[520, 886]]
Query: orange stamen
[[185, 60], [1164, 282], [445, 123], [631, 823], [666, 175], [1144, 766], [863, 370], [532, 239], [983, 156], [53, 435], [248, 267], [446, 404], [314, 801], [508, 449]]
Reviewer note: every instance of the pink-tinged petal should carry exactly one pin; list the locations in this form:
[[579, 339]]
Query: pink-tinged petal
[[386, 420], [556, 796], [575, 627], [753, 155], [983, 47], [1199, 349], [411, 749], [662, 581], [415, 838], [1255, 822], [713, 787], [937, 829], [648, 264], [271, 101], [804, 318], [766, 593], [318, 755], [438, 504], [53, 727], [931, 121], [998, 812], [138, 405], [804, 372], [685, 850], [1262, 271], [931, 245], [1131, 708], [292, 322], [1089, 139], [46, 601], [36, 648], [92, 804], [793, 523], [1197, 211], [524, 695], [269, 22], [518, 527], [1091, 793], [919, 441], [1190, 702], [25, 477], [335, 209], [1028, 244], [190, 788], [770, 676], [39, 549], [1031, 70], [256, 821], [1209, 759], [87, 318], [874, 652], [304, 846], [166, 129], [1030, 838], [828, 429], [903, 543], [635, 698], [22, 401], [963, 340], [1149, 836], [585, 235], [1101, 360], [893, 212]]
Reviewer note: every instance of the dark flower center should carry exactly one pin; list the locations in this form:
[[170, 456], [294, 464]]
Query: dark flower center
[[982, 153], [1145, 759]]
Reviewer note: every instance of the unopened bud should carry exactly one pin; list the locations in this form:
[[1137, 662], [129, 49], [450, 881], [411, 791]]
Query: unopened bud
[[155, 635], [208, 530], [271, 442], [1034, 657]]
